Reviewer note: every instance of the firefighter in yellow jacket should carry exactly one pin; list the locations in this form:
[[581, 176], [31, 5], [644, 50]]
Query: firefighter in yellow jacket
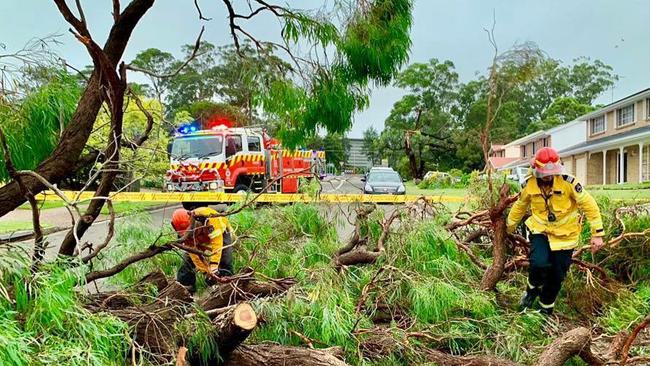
[[554, 226], [212, 235]]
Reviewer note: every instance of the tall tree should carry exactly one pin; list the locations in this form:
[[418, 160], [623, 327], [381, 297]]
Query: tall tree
[[371, 145], [158, 62], [420, 125]]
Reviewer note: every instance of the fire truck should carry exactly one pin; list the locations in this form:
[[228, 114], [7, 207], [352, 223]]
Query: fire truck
[[228, 159]]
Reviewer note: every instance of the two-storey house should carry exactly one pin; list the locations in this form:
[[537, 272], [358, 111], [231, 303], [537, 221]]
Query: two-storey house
[[616, 148], [559, 137]]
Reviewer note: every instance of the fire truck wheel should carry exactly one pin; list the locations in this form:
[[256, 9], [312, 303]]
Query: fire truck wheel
[[241, 189]]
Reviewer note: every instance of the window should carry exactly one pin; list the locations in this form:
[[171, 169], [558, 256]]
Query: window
[[534, 148], [254, 143], [545, 142], [233, 145], [597, 124], [647, 108], [523, 151], [625, 115]]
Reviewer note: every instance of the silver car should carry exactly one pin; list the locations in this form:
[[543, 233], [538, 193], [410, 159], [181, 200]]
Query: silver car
[[383, 182]]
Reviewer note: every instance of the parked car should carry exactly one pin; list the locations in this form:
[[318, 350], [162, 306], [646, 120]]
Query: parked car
[[441, 176], [518, 174], [383, 181]]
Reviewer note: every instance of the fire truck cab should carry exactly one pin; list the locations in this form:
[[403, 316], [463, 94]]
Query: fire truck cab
[[237, 160]]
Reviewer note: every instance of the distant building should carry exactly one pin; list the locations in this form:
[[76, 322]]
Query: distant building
[[357, 157], [501, 155], [615, 146]]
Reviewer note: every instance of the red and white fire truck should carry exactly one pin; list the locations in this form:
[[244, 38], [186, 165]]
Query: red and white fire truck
[[235, 160]]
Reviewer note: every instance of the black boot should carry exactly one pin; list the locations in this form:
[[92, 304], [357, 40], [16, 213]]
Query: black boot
[[528, 299], [546, 309]]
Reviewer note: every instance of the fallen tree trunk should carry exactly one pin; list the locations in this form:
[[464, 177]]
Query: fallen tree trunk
[[442, 358], [243, 289], [276, 355], [574, 342]]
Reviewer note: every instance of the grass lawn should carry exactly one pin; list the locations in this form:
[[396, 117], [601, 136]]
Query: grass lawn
[[11, 226], [623, 194], [127, 207], [452, 192], [638, 193]]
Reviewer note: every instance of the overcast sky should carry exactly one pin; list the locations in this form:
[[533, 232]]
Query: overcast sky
[[614, 31]]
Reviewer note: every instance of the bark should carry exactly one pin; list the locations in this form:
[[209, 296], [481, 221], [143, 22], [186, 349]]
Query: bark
[[234, 326], [494, 273], [442, 358], [153, 324], [576, 342], [628, 343], [275, 355], [244, 289], [356, 256], [74, 137]]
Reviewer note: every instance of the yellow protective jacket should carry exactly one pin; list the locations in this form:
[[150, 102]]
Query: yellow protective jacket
[[210, 263], [564, 199]]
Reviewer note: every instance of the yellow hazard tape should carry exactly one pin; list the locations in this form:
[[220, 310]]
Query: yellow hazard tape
[[234, 197]]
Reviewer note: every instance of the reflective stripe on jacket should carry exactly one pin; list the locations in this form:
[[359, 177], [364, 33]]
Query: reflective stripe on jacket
[[213, 244], [563, 200]]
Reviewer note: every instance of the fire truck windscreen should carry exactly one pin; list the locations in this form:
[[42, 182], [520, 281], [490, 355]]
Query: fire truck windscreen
[[197, 146]]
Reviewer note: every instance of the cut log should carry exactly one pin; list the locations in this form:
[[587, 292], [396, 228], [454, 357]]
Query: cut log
[[232, 327], [275, 355]]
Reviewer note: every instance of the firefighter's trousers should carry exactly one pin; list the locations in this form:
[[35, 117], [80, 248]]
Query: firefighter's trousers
[[186, 275], [547, 269]]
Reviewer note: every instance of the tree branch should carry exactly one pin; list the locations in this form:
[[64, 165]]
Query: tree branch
[[193, 55]]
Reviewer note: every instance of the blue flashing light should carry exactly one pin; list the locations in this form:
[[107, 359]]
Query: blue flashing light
[[193, 128]]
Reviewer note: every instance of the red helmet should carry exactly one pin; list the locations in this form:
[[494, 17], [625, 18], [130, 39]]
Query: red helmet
[[181, 220], [546, 162]]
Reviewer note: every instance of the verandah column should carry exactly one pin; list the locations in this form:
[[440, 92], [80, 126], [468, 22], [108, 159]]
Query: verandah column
[[621, 162], [604, 167], [640, 162]]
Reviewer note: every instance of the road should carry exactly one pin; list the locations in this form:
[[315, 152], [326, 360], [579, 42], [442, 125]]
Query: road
[[161, 217]]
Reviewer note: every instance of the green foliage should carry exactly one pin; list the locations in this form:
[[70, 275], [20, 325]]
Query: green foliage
[[199, 336], [33, 124], [627, 310], [372, 145], [336, 147], [377, 40], [150, 161], [46, 325], [135, 235]]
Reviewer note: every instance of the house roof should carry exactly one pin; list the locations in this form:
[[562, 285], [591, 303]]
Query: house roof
[[619, 103], [499, 162], [608, 142], [517, 162], [563, 126], [532, 136]]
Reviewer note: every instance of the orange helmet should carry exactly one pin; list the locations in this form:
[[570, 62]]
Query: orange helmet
[[546, 162], [181, 220]]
